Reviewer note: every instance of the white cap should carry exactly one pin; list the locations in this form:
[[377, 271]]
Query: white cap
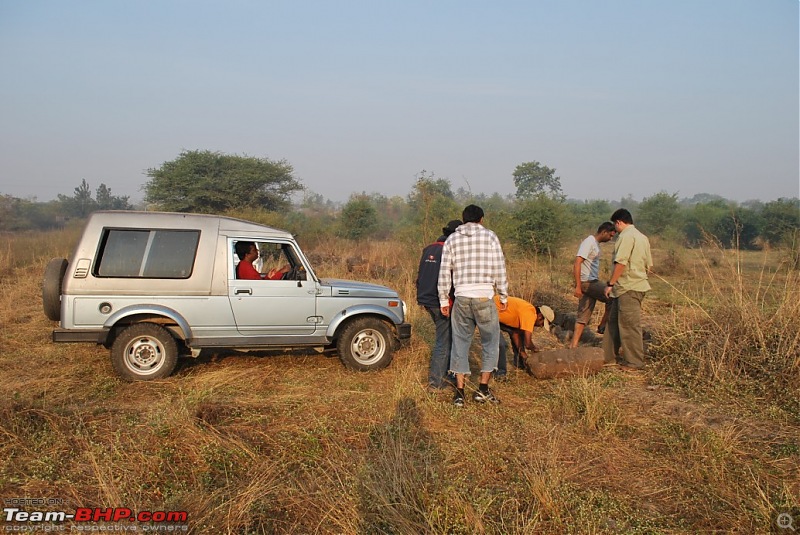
[[549, 316]]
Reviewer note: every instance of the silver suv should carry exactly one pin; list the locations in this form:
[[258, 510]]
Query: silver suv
[[151, 286]]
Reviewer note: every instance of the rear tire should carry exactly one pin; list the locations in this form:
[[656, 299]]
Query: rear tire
[[143, 352], [365, 344], [51, 287]]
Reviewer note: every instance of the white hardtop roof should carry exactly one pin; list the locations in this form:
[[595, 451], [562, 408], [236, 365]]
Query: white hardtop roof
[[179, 220]]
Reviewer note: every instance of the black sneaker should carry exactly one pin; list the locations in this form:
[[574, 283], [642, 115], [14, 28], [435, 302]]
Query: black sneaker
[[484, 397], [458, 400]]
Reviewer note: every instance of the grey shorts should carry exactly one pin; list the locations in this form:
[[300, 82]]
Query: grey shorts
[[593, 291]]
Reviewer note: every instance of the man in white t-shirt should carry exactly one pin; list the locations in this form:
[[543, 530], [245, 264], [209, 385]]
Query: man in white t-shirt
[[586, 271]]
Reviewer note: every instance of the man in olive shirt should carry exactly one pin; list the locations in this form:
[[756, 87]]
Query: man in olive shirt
[[627, 287]]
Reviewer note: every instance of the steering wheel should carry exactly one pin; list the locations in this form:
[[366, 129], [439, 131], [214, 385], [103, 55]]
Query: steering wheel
[[293, 273]]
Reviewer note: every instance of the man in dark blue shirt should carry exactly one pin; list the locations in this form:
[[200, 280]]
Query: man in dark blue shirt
[[428, 297]]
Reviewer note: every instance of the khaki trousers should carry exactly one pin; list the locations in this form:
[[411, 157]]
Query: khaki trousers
[[624, 330]]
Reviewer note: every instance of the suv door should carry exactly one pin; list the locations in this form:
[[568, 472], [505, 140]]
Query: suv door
[[278, 307]]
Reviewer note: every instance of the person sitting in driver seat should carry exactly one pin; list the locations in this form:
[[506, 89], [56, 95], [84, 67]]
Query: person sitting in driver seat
[[248, 253]]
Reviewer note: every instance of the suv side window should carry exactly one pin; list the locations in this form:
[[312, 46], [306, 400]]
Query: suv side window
[[147, 253], [274, 256]]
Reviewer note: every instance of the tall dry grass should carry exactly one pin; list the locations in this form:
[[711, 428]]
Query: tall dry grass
[[278, 442], [19, 249], [737, 333]]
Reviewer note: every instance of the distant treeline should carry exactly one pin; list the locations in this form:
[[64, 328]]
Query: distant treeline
[[541, 223], [538, 218]]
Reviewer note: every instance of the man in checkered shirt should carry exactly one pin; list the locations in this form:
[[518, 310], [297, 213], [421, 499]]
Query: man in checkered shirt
[[473, 261]]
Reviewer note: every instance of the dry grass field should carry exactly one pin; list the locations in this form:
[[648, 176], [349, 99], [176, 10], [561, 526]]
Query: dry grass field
[[706, 440]]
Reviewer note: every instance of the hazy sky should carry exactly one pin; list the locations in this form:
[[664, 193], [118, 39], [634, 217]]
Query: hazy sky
[[620, 96]]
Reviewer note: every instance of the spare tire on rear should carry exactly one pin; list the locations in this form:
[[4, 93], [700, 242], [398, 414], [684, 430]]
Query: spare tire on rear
[[51, 287]]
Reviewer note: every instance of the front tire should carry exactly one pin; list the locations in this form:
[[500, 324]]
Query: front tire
[[365, 344], [143, 352]]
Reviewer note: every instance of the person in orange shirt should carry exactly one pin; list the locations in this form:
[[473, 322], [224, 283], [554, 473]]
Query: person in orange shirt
[[518, 320]]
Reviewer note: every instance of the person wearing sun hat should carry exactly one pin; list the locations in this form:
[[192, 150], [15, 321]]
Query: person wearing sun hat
[[519, 319], [428, 297]]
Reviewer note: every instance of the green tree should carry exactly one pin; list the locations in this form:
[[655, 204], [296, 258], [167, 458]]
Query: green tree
[[659, 213], [315, 203], [431, 204], [542, 224], [26, 214], [10, 214], [748, 225], [106, 201], [705, 220], [392, 211], [500, 216], [702, 198], [533, 178], [359, 218], [589, 214], [427, 186], [212, 182], [628, 202], [81, 203], [781, 221], [729, 224]]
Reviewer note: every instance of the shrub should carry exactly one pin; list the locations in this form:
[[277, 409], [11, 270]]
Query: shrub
[[542, 222], [359, 219]]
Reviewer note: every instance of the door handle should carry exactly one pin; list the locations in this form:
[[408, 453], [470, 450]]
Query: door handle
[[240, 291]]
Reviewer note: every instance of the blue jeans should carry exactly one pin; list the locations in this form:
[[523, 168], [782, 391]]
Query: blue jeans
[[502, 370], [440, 355], [468, 313]]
